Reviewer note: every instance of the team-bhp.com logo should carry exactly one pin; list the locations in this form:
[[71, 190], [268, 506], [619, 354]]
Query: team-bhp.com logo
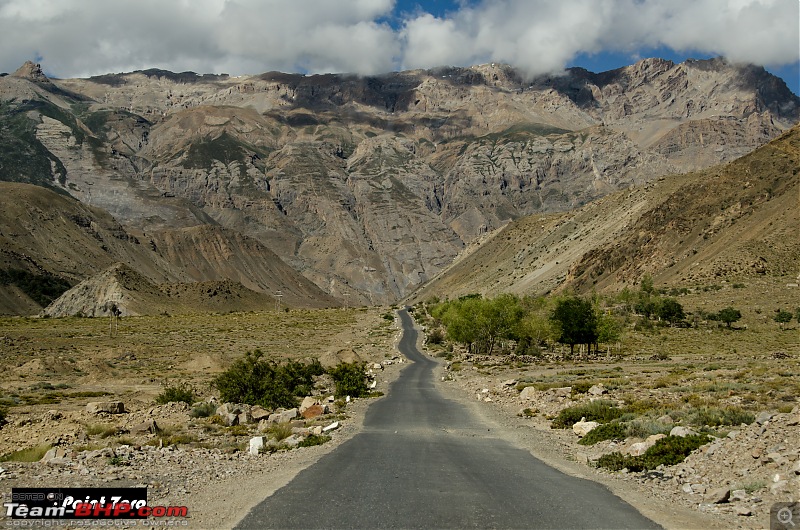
[[86, 503]]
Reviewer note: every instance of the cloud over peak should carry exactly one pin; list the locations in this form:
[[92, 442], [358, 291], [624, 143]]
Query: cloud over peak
[[85, 37]]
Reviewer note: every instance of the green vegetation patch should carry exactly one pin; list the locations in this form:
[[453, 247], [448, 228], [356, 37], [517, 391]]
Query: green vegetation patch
[[30, 454], [256, 381], [607, 431], [666, 451], [175, 394], [41, 288], [600, 410]]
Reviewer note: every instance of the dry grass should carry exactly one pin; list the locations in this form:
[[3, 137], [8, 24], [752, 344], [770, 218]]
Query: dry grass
[[40, 357]]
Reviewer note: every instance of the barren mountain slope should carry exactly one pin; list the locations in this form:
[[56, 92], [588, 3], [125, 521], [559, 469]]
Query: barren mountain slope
[[45, 234], [726, 223], [133, 294], [212, 253], [370, 185]]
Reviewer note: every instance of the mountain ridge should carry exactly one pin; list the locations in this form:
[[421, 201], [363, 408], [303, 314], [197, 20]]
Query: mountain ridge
[[369, 186]]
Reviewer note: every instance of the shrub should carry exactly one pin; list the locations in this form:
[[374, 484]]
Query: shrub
[[581, 387], [313, 440], [350, 379], [729, 315], [666, 451], [2, 416], [436, 336], [600, 410], [102, 430], [607, 431], [714, 417], [255, 381], [203, 410], [280, 431], [31, 454], [176, 394], [644, 428]]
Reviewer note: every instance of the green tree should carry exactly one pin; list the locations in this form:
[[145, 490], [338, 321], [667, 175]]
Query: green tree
[[577, 321], [797, 314], [535, 329], [350, 379], [782, 317], [497, 319], [670, 310], [609, 329], [729, 315], [646, 285]]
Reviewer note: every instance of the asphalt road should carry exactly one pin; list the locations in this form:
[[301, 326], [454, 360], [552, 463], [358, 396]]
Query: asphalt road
[[423, 461]]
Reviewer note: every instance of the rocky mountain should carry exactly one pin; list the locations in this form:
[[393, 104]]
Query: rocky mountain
[[46, 235], [370, 186], [123, 289], [731, 222]]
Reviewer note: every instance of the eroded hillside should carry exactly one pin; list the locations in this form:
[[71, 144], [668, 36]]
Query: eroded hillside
[[727, 223]]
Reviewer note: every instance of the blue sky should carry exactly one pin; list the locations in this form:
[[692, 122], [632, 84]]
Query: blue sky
[[600, 60], [78, 38]]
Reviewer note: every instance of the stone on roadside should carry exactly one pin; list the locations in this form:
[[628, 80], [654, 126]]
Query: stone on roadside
[[316, 430], [229, 420], [583, 427], [229, 408], [718, 496], [682, 431], [332, 427], [56, 455], [109, 407], [666, 419], [598, 390], [744, 511], [313, 411], [259, 413], [528, 393], [738, 496], [763, 417], [148, 427], [256, 443], [563, 392], [244, 417], [288, 415], [639, 448], [293, 440], [308, 401]]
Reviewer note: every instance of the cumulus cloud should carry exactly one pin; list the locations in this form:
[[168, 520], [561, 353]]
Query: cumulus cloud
[[86, 37], [542, 36]]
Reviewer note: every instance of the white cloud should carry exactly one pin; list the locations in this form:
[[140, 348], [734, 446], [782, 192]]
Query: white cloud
[[542, 35], [85, 37]]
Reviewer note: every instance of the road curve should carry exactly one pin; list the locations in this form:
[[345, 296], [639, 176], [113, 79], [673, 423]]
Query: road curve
[[423, 461]]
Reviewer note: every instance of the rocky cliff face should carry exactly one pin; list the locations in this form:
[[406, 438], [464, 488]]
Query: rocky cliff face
[[370, 186]]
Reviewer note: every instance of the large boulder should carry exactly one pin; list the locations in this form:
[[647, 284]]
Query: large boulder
[[107, 407]]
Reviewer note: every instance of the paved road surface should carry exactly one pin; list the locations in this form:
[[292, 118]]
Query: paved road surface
[[423, 461]]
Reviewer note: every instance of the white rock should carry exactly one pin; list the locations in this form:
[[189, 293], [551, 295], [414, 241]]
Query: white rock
[[307, 402], [681, 431], [332, 427], [110, 407], [256, 443], [528, 393], [598, 390], [583, 427]]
